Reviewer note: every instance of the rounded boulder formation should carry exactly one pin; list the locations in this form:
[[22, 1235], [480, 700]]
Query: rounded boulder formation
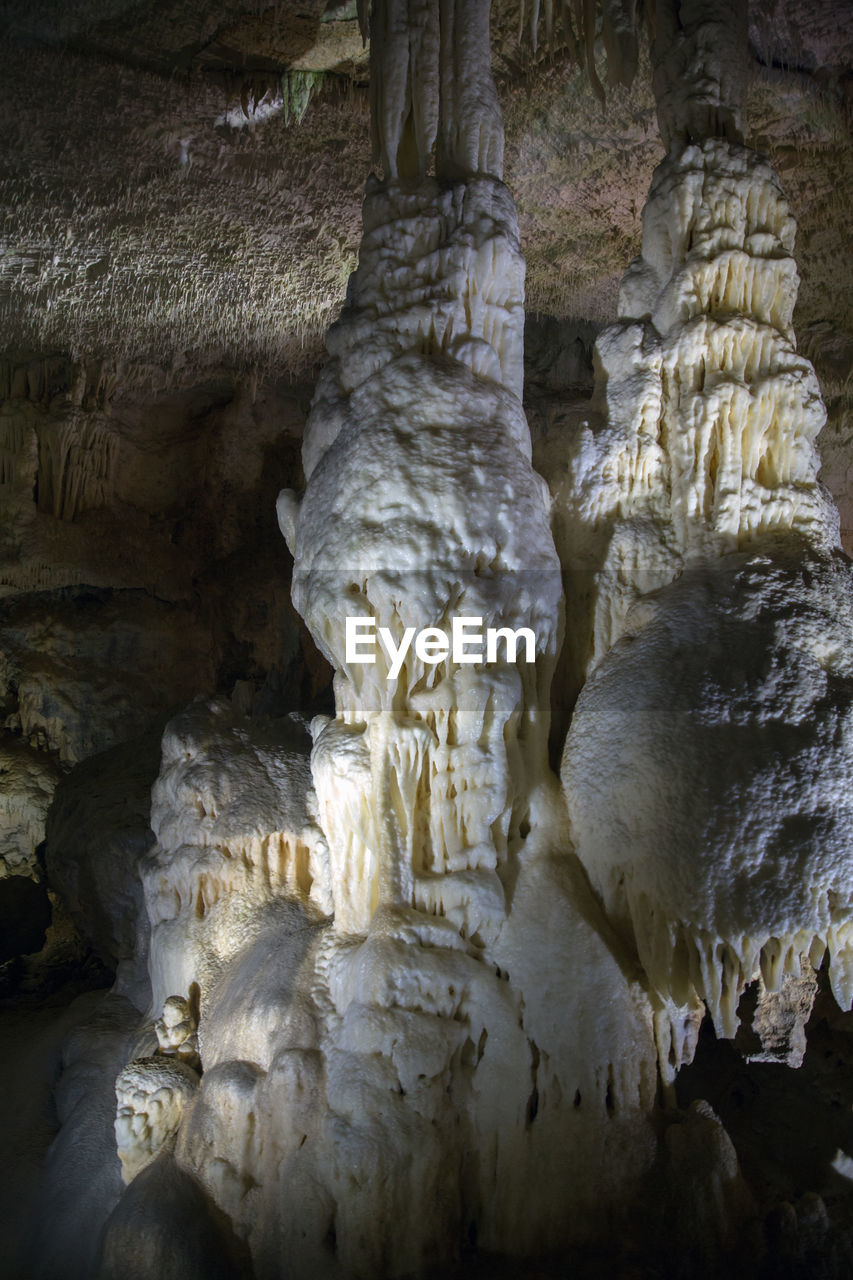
[[709, 777]]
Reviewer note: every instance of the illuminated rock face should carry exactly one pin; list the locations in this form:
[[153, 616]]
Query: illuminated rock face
[[151, 1094], [422, 506], [345, 1078], [710, 414], [709, 757], [378, 1016], [229, 810], [390, 1015], [385, 1081], [369, 1099], [425, 508], [708, 771], [408, 1070]]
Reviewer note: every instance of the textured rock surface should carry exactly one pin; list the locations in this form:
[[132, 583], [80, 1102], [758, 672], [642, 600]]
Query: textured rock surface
[[698, 660], [151, 1097], [28, 781], [166, 1226], [90, 667], [131, 582], [32, 1059], [408, 1052], [174, 245], [229, 810], [709, 416], [244, 249], [733, 683], [81, 1177], [98, 834]]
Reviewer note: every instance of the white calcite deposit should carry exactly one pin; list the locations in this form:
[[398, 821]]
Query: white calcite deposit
[[709, 414], [390, 1009], [346, 1077], [405, 1072], [151, 1094], [177, 1030], [708, 763], [229, 811], [709, 771], [422, 506]]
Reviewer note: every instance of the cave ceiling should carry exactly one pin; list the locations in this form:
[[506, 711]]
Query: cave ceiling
[[170, 202]]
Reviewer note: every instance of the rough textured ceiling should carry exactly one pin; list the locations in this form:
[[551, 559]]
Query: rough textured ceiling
[[138, 225]]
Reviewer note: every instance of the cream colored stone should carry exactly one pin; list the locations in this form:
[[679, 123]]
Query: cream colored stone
[[708, 762], [177, 1031], [151, 1094], [27, 782]]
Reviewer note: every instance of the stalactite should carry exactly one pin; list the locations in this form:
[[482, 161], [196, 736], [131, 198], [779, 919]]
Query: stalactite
[[432, 89], [76, 460], [577, 28], [700, 68]]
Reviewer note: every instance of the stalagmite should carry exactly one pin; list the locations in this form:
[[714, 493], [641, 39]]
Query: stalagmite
[[432, 785], [177, 1031], [234, 833], [421, 506], [711, 413], [151, 1094], [383, 1015], [710, 757]]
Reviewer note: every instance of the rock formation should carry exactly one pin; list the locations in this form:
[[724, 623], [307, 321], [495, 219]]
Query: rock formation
[[699, 791], [408, 1051], [390, 997]]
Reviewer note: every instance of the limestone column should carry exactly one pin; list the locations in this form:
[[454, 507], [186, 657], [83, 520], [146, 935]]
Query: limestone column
[[709, 763]]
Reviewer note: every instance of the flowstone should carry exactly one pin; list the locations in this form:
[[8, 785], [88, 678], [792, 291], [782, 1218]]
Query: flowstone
[[411, 1031], [734, 684], [234, 834], [708, 763], [151, 1094], [455, 1053]]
